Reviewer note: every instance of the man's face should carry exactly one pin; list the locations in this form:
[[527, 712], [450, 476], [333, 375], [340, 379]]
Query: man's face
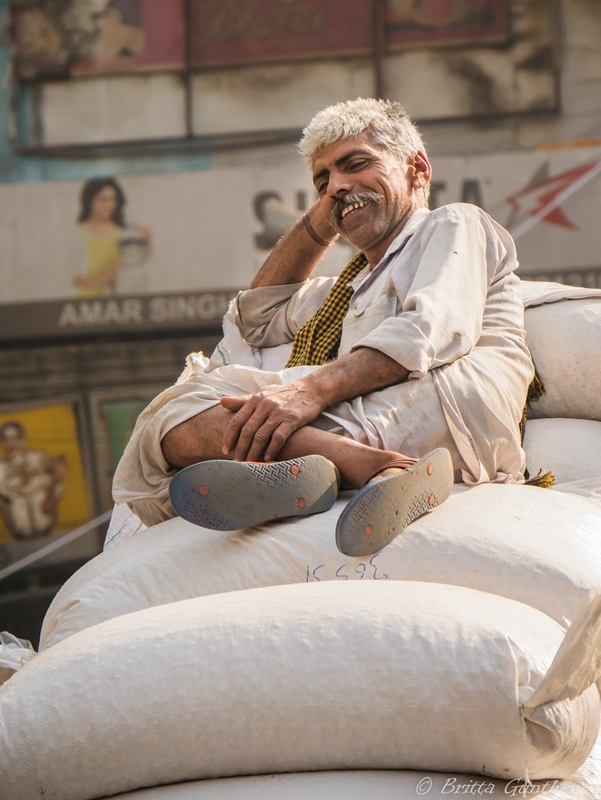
[[12, 441], [358, 166]]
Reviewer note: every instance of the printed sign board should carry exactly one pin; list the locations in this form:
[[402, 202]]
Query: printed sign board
[[174, 249], [114, 36], [134, 35], [140, 253], [446, 22], [114, 413], [256, 30], [546, 198]]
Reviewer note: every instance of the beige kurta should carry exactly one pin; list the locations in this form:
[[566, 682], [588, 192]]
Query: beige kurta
[[444, 302]]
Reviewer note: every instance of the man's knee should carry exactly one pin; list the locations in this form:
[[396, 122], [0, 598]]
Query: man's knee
[[196, 439], [180, 445]]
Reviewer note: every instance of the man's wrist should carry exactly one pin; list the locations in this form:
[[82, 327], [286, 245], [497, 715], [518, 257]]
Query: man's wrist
[[313, 233], [363, 371], [320, 225], [323, 386]]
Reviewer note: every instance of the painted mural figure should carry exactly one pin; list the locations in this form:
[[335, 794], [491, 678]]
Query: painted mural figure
[[120, 31], [31, 484], [115, 254]]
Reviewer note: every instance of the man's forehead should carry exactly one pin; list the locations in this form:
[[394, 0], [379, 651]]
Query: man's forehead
[[342, 149]]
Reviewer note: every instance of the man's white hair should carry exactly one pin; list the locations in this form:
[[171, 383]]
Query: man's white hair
[[387, 123]]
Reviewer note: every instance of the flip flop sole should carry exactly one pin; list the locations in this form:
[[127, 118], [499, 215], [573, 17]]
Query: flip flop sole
[[230, 495], [384, 508]]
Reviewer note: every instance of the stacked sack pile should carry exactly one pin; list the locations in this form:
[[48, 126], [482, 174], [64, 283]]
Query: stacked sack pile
[[461, 660]]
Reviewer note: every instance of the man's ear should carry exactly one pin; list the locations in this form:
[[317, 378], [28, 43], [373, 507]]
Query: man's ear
[[421, 171]]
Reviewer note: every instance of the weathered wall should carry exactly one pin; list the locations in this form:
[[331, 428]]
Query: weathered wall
[[579, 82], [432, 83], [112, 108]]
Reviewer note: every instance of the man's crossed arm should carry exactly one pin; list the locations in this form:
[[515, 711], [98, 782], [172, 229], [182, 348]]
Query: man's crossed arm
[[264, 421]]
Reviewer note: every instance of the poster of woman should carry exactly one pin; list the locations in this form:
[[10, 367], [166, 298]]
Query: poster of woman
[[115, 254]]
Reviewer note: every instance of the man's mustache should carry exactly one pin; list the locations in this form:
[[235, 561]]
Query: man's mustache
[[349, 200]]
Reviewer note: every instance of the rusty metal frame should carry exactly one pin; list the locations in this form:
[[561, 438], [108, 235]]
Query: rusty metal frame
[[188, 70], [379, 48]]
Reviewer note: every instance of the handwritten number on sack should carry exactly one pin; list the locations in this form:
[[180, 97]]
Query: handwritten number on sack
[[371, 561], [360, 570]]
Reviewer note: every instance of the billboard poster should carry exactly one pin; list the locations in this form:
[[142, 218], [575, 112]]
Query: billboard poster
[[43, 490], [546, 198], [104, 37], [113, 36], [168, 252], [446, 22], [238, 31], [235, 31], [141, 252], [121, 419]]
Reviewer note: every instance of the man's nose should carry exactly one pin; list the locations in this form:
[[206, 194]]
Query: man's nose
[[339, 184]]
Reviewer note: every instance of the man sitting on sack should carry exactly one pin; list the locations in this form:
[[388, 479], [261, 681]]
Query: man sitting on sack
[[408, 372]]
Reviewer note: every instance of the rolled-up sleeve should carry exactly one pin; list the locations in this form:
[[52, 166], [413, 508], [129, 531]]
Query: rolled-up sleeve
[[441, 316], [271, 315]]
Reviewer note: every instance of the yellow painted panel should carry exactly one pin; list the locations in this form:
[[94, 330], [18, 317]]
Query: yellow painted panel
[[42, 482]]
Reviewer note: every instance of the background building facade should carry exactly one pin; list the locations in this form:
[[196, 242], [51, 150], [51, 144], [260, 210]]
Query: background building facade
[[148, 163]]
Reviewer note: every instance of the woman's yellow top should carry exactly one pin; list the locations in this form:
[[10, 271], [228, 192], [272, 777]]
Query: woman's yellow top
[[102, 254]]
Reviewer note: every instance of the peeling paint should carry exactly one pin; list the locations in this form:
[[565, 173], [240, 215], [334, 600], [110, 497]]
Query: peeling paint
[[541, 59], [484, 92]]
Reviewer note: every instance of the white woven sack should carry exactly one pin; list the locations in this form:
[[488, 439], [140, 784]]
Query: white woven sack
[[387, 675], [533, 545], [565, 341], [359, 785], [589, 774], [570, 448]]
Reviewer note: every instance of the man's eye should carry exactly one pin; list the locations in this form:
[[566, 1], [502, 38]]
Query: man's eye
[[359, 164]]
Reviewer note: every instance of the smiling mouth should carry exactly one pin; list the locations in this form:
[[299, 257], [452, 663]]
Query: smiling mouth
[[351, 207], [353, 201]]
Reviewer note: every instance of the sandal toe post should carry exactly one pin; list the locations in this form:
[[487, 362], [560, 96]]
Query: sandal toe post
[[385, 507]]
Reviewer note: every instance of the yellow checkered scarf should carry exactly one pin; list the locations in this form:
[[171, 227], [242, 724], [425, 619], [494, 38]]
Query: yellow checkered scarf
[[318, 340]]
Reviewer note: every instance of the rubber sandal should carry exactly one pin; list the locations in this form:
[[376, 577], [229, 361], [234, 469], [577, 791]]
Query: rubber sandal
[[230, 495], [383, 508]]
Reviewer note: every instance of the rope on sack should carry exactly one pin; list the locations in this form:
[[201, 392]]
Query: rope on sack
[[535, 391]]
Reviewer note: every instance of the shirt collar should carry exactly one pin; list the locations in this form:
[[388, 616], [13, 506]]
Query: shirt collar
[[412, 223], [408, 230]]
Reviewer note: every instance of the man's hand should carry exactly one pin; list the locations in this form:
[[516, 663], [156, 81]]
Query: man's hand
[[265, 421], [296, 255]]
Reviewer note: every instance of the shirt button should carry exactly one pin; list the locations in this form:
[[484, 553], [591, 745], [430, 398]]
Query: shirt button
[[359, 312]]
